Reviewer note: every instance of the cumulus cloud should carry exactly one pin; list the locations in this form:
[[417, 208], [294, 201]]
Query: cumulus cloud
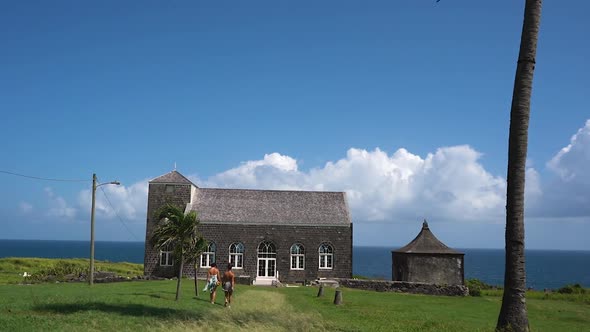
[[129, 202], [571, 162], [568, 194], [450, 183], [274, 170], [58, 207]]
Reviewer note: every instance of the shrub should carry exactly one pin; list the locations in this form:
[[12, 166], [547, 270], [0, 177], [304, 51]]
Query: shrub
[[476, 286], [476, 283], [572, 289], [474, 291], [60, 270]]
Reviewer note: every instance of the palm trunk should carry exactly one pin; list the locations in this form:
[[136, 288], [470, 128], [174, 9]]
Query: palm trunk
[[179, 276], [513, 314], [196, 283]]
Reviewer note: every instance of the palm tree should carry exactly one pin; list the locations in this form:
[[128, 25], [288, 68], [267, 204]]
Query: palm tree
[[513, 314], [176, 230], [193, 253]]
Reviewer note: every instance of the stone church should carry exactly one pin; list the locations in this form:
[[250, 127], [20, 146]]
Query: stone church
[[267, 235]]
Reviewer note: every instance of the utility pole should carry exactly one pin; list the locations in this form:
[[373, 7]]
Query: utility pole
[[94, 186], [91, 274]]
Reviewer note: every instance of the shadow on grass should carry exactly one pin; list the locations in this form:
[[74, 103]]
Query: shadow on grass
[[139, 310], [156, 295]]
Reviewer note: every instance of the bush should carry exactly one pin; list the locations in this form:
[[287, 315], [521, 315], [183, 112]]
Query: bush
[[60, 270], [476, 283], [476, 286], [572, 289], [474, 291]]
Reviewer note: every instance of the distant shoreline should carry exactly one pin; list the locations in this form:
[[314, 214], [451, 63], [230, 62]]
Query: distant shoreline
[[354, 245], [545, 268]]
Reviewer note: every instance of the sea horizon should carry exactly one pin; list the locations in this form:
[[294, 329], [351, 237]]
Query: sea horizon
[[545, 268], [394, 247]]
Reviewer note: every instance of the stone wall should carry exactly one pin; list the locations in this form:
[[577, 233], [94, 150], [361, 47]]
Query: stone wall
[[438, 269], [405, 287], [160, 194], [283, 237]]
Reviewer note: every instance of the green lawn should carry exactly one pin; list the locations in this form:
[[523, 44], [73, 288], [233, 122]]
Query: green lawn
[[150, 305], [12, 268]]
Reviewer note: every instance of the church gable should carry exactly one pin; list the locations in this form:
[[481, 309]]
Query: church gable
[[172, 177]]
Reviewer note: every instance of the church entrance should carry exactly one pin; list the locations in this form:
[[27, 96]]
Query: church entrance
[[267, 263]]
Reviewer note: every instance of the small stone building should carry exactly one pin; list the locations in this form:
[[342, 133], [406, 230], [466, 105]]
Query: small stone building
[[267, 235], [428, 260]]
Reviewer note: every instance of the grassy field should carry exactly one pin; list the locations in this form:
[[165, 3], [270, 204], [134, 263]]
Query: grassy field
[[12, 268], [150, 306]]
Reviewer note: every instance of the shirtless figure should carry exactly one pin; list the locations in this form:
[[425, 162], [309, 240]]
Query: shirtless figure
[[229, 281]]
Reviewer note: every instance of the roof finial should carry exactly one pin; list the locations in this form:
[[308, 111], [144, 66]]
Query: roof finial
[[425, 224], [175, 166]]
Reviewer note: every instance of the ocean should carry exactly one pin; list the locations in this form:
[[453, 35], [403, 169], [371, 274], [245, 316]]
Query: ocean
[[545, 268]]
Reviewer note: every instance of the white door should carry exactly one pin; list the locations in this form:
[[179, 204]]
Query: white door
[[267, 267], [267, 261]]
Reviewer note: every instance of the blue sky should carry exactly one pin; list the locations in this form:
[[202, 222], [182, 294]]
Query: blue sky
[[402, 104]]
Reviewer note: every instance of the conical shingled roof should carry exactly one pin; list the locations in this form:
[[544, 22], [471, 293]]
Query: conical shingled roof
[[426, 243], [172, 177]]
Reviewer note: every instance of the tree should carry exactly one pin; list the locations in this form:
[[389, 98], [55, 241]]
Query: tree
[[178, 231], [193, 253], [513, 314]]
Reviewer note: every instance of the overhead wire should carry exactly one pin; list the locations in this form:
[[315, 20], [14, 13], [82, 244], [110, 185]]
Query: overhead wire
[[117, 214], [75, 180], [44, 179]]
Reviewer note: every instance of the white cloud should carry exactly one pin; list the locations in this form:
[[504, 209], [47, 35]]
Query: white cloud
[[58, 206], [449, 184], [129, 202], [257, 173], [568, 195], [25, 207], [571, 163]]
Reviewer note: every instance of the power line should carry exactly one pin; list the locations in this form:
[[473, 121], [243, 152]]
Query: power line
[[75, 180], [44, 179], [117, 214]]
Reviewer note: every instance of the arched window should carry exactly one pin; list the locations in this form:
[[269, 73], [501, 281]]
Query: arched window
[[166, 257], [236, 255], [326, 256], [267, 250], [208, 256], [297, 257]]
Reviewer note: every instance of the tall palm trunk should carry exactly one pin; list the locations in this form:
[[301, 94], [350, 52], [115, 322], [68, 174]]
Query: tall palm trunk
[[513, 314], [196, 283], [179, 276]]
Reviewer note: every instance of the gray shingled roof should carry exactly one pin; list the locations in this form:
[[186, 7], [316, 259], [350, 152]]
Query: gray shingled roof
[[426, 243], [172, 177], [270, 207]]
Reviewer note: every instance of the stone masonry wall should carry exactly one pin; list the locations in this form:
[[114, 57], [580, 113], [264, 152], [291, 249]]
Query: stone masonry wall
[[405, 287], [176, 194], [428, 268], [283, 237]]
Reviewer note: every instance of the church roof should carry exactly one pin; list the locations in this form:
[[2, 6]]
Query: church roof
[[246, 206], [172, 177], [426, 243]]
